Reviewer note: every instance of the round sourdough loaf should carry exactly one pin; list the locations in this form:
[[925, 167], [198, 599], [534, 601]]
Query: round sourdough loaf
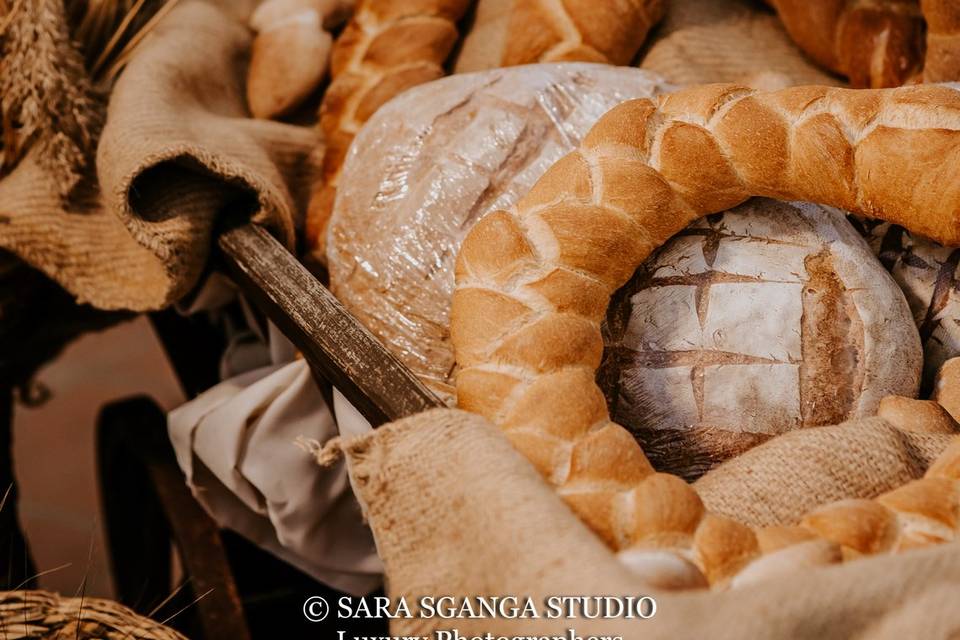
[[430, 164], [766, 318]]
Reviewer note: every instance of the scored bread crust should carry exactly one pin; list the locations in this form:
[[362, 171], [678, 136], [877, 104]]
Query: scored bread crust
[[387, 47], [874, 43], [942, 62], [533, 283], [578, 30]]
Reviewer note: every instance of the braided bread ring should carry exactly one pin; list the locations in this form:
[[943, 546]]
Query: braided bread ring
[[533, 282]]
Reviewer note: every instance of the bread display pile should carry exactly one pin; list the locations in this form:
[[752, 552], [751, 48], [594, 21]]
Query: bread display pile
[[533, 282], [444, 155], [636, 297], [747, 324]]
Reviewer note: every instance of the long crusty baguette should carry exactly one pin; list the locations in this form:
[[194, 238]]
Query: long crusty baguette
[[875, 43], [387, 47], [942, 62], [578, 30], [533, 282]]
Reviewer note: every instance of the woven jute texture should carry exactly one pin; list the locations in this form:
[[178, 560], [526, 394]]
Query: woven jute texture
[[177, 152], [703, 41], [456, 511]]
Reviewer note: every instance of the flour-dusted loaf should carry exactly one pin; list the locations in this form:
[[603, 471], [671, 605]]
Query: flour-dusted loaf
[[433, 162], [929, 275], [766, 318]]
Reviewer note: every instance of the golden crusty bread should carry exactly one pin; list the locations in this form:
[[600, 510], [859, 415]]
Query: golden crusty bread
[[512, 32], [290, 53], [578, 30], [387, 47], [942, 62], [922, 416], [533, 282], [946, 387], [874, 43]]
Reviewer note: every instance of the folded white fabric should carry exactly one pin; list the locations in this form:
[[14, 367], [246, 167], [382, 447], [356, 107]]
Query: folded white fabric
[[236, 443]]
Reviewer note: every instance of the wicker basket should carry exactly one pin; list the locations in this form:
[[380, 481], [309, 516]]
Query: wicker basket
[[41, 614]]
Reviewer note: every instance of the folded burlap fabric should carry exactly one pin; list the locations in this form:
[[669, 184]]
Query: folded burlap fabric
[[456, 511], [178, 150], [703, 41]]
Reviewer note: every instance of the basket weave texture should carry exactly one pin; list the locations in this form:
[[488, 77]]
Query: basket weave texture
[[41, 614]]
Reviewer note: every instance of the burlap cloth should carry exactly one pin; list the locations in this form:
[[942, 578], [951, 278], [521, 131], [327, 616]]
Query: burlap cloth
[[456, 511], [178, 150], [703, 41]]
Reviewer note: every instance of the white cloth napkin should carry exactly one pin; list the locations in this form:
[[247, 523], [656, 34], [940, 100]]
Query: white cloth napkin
[[236, 443]]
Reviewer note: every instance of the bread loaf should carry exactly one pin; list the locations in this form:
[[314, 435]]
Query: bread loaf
[[946, 390], [512, 32], [534, 281], [388, 47], [428, 166], [763, 319], [942, 61], [290, 52], [929, 275], [874, 43]]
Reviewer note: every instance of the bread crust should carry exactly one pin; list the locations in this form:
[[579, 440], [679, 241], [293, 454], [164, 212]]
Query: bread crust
[[765, 318], [387, 47], [699, 151], [942, 61], [513, 32], [578, 30], [874, 43]]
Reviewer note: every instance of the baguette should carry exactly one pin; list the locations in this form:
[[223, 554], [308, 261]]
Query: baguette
[[387, 47], [874, 43], [533, 282], [942, 63], [289, 56]]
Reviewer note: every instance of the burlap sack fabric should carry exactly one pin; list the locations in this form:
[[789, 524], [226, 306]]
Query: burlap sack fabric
[[703, 41], [456, 511], [177, 151]]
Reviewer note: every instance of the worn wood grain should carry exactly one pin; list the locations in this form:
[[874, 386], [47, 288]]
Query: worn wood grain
[[334, 343]]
